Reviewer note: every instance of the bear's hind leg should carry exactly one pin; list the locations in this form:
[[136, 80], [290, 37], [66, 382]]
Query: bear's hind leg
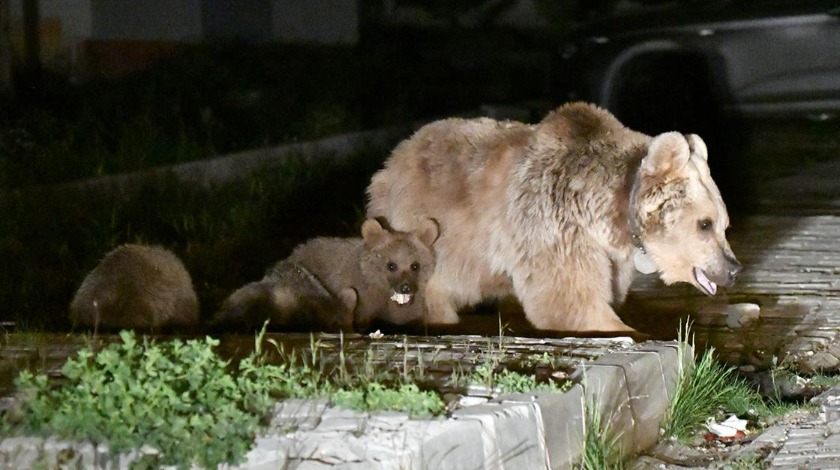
[[568, 295]]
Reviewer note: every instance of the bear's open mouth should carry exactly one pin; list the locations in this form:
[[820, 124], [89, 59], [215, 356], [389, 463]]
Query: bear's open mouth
[[402, 299], [709, 287]]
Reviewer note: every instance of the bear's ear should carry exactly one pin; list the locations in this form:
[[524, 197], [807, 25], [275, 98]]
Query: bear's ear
[[428, 232], [372, 232], [667, 153], [697, 147]]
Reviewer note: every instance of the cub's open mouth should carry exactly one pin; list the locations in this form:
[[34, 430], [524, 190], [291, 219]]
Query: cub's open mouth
[[709, 287], [402, 299]]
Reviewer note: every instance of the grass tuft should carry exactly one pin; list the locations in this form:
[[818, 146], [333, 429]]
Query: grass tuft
[[705, 389], [601, 449], [405, 397]]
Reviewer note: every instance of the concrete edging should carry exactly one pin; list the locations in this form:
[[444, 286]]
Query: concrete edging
[[631, 389]]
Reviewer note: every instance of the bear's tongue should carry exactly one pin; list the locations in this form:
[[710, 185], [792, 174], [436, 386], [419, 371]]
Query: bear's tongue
[[708, 285], [402, 299]]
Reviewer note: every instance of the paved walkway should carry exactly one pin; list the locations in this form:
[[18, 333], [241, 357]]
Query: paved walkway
[[804, 440]]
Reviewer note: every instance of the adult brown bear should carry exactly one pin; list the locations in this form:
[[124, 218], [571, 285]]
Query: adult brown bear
[[556, 213]]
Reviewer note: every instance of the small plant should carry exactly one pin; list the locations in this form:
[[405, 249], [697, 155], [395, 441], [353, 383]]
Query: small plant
[[492, 372], [747, 462], [705, 389], [375, 396], [515, 382], [601, 449], [176, 397], [494, 377]]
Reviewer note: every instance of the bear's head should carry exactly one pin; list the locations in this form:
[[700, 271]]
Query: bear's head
[[400, 263], [678, 217]]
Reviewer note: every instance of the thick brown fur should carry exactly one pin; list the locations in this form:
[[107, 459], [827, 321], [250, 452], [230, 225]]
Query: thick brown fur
[[341, 283], [547, 212], [136, 286]]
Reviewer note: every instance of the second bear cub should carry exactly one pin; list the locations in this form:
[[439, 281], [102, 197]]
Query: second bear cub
[[341, 283]]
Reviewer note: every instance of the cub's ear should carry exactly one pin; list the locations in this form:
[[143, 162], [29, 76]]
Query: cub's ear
[[428, 232], [667, 154], [372, 232], [697, 146]]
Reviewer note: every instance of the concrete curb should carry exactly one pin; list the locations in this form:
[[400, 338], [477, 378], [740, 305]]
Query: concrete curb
[[631, 389]]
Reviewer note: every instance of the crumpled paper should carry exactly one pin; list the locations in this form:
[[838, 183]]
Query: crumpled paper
[[732, 428]]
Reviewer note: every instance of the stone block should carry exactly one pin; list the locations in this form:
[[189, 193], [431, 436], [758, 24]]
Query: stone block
[[387, 421], [606, 396], [297, 414], [512, 434], [648, 396], [333, 447], [311, 465], [268, 453], [742, 315], [21, 452], [342, 419], [452, 445], [563, 423], [670, 362]]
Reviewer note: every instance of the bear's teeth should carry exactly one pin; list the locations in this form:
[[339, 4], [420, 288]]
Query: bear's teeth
[[402, 299], [703, 280]]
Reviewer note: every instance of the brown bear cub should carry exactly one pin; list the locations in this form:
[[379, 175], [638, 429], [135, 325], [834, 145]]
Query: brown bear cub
[[136, 286], [340, 283]]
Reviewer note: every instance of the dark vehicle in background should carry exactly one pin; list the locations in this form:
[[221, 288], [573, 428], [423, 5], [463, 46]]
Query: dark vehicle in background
[[689, 65]]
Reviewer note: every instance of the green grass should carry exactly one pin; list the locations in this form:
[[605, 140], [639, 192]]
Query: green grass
[[491, 371], [601, 449], [497, 377], [710, 389], [183, 400], [705, 390], [405, 397], [176, 397], [190, 405]]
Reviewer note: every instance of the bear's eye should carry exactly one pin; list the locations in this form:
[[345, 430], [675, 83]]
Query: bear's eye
[[415, 266], [704, 225], [392, 266]]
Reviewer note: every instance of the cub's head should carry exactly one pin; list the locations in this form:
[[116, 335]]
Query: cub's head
[[679, 216], [400, 263]]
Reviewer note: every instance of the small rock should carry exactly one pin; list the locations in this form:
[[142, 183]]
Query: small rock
[[780, 384], [820, 361], [469, 400], [670, 450], [830, 407], [741, 315], [834, 348]]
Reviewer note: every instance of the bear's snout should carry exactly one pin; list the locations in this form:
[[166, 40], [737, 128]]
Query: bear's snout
[[405, 288], [403, 292], [733, 269]]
